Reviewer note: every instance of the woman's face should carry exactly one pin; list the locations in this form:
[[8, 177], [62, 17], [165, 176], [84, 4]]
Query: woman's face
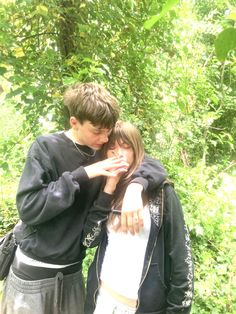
[[121, 150]]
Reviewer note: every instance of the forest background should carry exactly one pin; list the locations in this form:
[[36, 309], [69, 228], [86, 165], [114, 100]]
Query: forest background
[[171, 64]]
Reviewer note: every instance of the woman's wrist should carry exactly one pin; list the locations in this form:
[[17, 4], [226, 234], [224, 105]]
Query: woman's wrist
[[109, 189]]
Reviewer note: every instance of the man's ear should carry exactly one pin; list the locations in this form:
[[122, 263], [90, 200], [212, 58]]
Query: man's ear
[[74, 123]]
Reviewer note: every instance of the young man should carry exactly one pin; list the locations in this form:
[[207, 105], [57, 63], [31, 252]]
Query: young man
[[61, 180]]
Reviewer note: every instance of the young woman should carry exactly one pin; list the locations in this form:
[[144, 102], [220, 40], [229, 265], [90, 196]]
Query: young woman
[[151, 270]]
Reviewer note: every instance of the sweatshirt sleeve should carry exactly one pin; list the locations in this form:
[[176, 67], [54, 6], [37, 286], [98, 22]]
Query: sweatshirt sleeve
[[178, 256], [95, 224], [41, 194], [150, 174]]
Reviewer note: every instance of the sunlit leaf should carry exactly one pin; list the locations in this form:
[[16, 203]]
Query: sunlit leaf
[[18, 52], [166, 8], [225, 42], [232, 15], [42, 10]]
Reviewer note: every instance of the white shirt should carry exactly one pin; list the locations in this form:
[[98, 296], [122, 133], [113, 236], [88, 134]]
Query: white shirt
[[32, 262], [124, 257]]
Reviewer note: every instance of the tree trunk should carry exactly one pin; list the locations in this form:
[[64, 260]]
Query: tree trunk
[[69, 12]]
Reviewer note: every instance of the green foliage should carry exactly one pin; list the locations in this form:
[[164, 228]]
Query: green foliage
[[209, 200], [225, 42], [87, 261], [166, 8], [12, 145], [159, 59], [15, 140]]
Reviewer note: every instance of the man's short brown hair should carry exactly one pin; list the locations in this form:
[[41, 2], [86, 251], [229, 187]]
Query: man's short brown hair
[[92, 102]]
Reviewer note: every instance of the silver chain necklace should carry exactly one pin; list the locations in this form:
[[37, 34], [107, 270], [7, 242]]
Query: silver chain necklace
[[84, 154]]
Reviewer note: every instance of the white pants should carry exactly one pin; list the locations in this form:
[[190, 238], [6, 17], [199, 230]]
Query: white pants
[[106, 304]]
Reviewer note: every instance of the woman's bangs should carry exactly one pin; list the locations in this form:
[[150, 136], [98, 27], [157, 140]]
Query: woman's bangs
[[122, 137]]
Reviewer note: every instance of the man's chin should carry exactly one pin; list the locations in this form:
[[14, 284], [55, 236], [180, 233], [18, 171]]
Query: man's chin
[[97, 147]]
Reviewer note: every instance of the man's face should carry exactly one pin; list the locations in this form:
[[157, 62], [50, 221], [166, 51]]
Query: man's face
[[91, 135]]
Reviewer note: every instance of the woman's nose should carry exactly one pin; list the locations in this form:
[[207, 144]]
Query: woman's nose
[[120, 152]]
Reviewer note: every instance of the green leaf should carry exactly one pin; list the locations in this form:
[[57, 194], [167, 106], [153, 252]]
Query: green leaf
[[225, 42], [232, 15], [42, 10], [166, 8], [150, 23], [2, 70]]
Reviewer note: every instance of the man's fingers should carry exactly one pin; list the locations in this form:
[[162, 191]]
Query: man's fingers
[[114, 167], [106, 167], [130, 223], [108, 173], [123, 223], [113, 173], [136, 223], [116, 163], [140, 219]]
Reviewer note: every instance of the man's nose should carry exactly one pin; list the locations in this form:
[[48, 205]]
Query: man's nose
[[104, 138]]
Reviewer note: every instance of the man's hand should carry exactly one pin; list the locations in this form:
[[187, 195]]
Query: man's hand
[[108, 167], [132, 209]]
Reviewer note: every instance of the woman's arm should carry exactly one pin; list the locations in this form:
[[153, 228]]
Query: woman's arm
[[95, 224]]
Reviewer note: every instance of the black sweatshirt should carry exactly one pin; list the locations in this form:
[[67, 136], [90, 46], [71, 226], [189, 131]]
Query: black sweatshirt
[[55, 195]]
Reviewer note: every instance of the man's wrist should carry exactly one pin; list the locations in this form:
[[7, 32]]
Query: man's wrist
[[142, 181], [138, 187]]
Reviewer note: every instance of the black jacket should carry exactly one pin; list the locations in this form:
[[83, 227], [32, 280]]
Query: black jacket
[[167, 279], [55, 195]]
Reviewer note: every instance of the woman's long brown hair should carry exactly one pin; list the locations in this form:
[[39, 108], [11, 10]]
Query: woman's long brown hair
[[125, 133]]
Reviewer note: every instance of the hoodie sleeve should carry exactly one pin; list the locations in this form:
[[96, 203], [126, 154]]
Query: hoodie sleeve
[[95, 224], [178, 256], [42, 194], [150, 174]]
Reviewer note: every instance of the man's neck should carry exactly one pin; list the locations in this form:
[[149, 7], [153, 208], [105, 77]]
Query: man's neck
[[70, 134]]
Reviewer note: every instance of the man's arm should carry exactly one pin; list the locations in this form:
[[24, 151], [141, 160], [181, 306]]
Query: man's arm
[[147, 177], [150, 174], [42, 196]]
